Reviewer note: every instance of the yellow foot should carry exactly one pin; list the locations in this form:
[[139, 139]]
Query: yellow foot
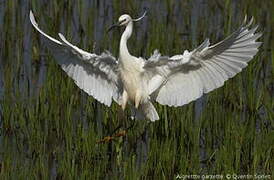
[[108, 139], [120, 134]]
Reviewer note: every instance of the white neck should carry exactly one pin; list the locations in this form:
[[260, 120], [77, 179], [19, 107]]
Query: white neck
[[124, 54]]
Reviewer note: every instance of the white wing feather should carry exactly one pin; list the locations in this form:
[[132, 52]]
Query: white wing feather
[[96, 75], [184, 78]]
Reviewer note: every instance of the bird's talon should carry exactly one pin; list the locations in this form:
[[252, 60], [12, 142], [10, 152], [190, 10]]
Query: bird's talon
[[120, 134], [106, 139]]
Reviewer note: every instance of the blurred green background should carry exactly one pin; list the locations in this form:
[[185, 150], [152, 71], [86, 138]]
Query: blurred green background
[[49, 128]]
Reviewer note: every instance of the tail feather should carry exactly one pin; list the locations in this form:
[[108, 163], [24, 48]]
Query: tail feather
[[145, 111]]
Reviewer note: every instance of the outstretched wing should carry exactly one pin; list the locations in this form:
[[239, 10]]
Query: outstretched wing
[[95, 74], [180, 79]]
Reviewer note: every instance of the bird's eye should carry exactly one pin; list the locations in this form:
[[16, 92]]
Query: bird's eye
[[122, 21]]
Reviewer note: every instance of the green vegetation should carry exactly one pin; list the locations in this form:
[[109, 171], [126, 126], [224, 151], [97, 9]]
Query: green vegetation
[[49, 128]]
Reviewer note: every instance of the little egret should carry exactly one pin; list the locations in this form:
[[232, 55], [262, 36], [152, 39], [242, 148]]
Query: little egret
[[172, 81]]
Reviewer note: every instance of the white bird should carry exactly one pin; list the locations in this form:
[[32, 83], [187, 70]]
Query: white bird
[[172, 81]]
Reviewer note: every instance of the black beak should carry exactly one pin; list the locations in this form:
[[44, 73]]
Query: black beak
[[113, 26]]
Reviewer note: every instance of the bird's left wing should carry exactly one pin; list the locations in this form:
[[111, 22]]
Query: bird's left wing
[[95, 74], [180, 79]]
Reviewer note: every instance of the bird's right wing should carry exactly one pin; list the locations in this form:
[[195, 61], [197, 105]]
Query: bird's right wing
[[180, 79], [95, 74]]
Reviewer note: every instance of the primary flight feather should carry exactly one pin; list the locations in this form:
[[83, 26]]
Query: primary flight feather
[[172, 81]]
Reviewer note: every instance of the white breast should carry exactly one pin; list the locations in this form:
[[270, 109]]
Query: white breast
[[131, 75]]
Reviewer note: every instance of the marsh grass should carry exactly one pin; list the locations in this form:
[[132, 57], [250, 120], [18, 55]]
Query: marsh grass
[[49, 128]]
